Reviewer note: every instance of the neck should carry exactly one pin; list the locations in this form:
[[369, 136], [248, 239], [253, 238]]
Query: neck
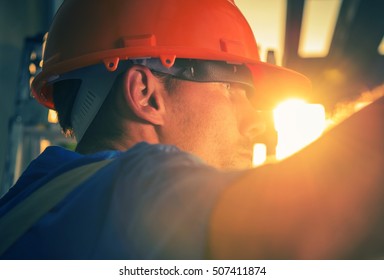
[[131, 134]]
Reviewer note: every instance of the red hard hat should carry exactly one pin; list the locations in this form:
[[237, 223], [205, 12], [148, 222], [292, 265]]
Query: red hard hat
[[88, 32]]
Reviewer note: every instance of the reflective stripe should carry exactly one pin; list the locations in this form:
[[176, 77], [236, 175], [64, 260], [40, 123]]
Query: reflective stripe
[[23, 216]]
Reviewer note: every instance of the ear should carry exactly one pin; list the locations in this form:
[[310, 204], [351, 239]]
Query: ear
[[142, 94]]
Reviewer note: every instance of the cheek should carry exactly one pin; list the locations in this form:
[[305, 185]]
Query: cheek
[[210, 127], [205, 125], [213, 114]]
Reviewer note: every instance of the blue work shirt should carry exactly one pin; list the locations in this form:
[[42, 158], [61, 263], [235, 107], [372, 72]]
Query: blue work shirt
[[150, 202]]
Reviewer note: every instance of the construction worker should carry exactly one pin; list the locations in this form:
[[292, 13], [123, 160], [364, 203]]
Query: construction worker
[[163, 98]]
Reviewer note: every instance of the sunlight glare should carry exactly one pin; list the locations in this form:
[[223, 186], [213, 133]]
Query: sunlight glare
[[52, 116], [297, 124], [259, 154], [318, 25]]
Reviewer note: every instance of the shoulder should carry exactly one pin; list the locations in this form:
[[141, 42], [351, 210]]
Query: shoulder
[[164, 197], [158, 160], [146, 151]]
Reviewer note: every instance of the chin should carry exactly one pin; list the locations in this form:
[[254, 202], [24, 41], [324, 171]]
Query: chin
[[237, 164], [230, 161]]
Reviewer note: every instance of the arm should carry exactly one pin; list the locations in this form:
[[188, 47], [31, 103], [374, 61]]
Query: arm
[[327, 201]]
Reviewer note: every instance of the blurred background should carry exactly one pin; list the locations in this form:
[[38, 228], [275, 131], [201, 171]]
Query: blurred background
[[338, 44]]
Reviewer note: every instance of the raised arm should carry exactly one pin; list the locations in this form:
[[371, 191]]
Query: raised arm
[[325, 202]]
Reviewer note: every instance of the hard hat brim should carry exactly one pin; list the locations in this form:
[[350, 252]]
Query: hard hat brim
[[274, 84]]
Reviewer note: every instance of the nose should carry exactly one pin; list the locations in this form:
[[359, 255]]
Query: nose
[[251, 122]]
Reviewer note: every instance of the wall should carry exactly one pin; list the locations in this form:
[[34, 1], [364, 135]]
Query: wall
[[18, 20]]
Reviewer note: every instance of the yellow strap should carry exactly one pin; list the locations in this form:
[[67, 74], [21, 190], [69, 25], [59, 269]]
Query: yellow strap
[[19, 219]]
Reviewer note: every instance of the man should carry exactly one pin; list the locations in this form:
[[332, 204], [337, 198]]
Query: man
[[158, 95]]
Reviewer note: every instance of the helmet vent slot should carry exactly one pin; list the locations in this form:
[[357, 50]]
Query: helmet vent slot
[[87, 103]]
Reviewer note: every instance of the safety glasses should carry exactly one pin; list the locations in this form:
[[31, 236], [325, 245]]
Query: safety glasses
[[202, 71]]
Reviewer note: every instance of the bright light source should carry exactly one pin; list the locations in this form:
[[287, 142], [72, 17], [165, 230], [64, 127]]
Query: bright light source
[[381, 47], [44, 143], [30, 81], [32, 69], [297, 124], [33, 55], [318, 25], [52, 116], [259, 154]]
